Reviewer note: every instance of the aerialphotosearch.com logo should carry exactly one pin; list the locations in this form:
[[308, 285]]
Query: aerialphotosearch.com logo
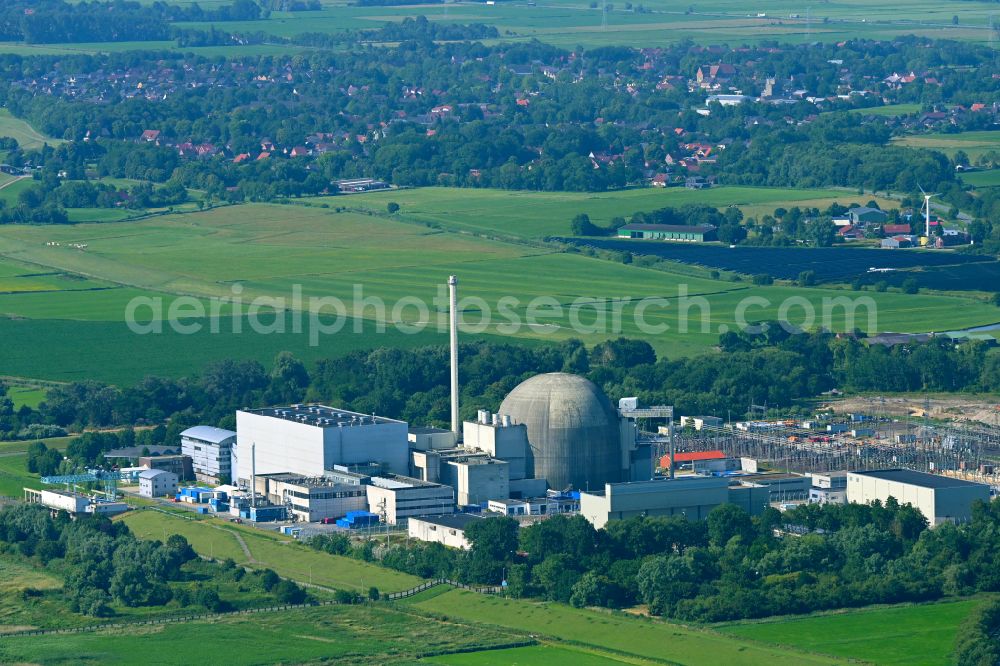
[[320, 316]]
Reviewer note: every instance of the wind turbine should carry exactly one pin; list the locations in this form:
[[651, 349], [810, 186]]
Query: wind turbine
[[927, 211]]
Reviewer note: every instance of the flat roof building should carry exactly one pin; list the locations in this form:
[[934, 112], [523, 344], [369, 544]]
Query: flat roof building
[[310, 439], [400, 498], [940, 498], [312, 499], [448, 529], [690, 496]]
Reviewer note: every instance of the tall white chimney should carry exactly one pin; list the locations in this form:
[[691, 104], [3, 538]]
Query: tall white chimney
[[453, 298]]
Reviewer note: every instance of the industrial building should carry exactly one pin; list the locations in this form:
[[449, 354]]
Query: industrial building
[[157, 483], [448, 530], [312, 499], [399, 498], [690, 496], [73, 503], [310, 439], [828, 487], [210, 450], [670, 232], [940, 498], [178, 464]]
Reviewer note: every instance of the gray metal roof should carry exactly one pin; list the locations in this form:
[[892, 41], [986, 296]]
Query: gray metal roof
[[153, 473], [208, 434], [922, 479], [454, 521]]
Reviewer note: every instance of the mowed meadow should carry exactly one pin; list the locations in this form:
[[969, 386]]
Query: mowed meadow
[[67, 288]]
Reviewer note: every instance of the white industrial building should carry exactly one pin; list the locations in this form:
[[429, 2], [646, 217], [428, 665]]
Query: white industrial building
[[399, 498], [310, 439], [940, 498], [828, 488], [210, 450], [157, 483], [74, 503], [313, 499], [448, 530]]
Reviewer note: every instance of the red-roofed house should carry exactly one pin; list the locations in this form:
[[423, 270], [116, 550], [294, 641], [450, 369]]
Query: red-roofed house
[[894, 229], [150, 135]]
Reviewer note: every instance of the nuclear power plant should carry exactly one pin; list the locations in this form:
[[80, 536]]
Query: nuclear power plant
[[554, 435]]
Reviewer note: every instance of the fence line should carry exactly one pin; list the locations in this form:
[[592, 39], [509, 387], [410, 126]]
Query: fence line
[[488, 589]]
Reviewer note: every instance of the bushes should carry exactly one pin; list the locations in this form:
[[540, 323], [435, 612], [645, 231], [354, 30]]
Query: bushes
[[978, 639]]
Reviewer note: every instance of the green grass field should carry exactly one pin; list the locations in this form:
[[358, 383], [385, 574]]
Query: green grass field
[[982, 179], [348, 635], [632, 637], [57, 292], [974, 144], [26, 395], [536, 655], [14, 475], [215, 537], [539, 214], [905, 635], [889, 110], [24, 133]]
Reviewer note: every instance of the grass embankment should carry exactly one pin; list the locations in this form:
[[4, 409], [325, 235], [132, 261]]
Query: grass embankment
[[289, 558]]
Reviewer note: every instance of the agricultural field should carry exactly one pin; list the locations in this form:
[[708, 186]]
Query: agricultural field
[[348, 635], [904, 635], [277, 251], [536, 215], [628, 636], [974, 144], [569, 24], [982, 179], [214, 537]]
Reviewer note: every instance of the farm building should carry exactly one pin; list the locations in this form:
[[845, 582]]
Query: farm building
[[864, 215], [940, 498], [896, 242], [670, 232]]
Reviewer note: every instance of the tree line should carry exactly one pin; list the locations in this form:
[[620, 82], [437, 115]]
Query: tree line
[[105, 567], [730, 566]]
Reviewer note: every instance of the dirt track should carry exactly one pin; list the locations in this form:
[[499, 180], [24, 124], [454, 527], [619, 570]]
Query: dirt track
[[972, 408]]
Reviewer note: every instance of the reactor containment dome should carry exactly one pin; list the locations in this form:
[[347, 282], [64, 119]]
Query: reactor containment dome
[[574, 432]]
